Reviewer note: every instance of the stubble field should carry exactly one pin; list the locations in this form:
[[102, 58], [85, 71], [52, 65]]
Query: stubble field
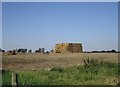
[[61, 69], [37, 61]]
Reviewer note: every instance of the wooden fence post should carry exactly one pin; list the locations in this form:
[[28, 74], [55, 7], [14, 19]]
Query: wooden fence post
[[14, 80]]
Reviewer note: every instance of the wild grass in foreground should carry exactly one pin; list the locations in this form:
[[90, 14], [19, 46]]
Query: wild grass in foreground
[[92, 73]]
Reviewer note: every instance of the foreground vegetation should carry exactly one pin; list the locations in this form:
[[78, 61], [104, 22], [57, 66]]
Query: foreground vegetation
[[91, 73]]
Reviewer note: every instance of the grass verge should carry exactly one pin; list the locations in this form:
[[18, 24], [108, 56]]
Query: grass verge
[[94, 73]]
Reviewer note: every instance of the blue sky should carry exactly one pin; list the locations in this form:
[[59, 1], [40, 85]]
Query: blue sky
[[60, 0], [0, 25], [35, 25]]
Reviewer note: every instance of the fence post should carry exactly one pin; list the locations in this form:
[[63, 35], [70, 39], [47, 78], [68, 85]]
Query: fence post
[[14, 80]]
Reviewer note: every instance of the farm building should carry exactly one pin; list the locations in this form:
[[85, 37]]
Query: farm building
[[68, 48]]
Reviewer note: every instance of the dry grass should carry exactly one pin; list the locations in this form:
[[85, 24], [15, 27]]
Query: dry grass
[[36, 61]]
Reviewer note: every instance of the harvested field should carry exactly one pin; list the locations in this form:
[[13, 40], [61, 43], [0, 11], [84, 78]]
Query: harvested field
[[36, 61]]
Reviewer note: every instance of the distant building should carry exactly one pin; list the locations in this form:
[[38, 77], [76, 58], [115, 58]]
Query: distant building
[[68, 48]]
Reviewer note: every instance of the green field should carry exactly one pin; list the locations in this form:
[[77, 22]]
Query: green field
[[100, 70]]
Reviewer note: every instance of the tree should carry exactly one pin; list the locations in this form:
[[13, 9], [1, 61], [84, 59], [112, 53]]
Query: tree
[[113, 51], [22, 50], [19, 50], [43, 50], [3, 50], [25, 50], [47, 52], [51, 50], [103, 51], [36, 51], [30, 51], [0, 50], [39, 50]]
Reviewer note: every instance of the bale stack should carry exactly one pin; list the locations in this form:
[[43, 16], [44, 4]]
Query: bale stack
[[68, 48]]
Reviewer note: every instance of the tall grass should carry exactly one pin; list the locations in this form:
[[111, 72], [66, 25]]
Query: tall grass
[[93, 73], [6, 77]]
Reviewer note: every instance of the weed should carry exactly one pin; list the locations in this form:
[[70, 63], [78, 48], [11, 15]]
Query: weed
[[59, 69]]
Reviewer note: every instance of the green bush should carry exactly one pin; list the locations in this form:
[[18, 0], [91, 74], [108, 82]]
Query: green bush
[[59, 69]]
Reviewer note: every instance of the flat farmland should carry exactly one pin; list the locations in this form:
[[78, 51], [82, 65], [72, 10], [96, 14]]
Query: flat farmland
[[36, 61], [61, 69]]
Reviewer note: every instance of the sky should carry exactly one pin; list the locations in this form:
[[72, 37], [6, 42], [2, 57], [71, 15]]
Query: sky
[[0, 25], [34, 25], [60, 0]]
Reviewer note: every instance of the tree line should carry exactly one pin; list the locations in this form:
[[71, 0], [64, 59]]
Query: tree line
[[42, 50], [103, 51], [22, 50]]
